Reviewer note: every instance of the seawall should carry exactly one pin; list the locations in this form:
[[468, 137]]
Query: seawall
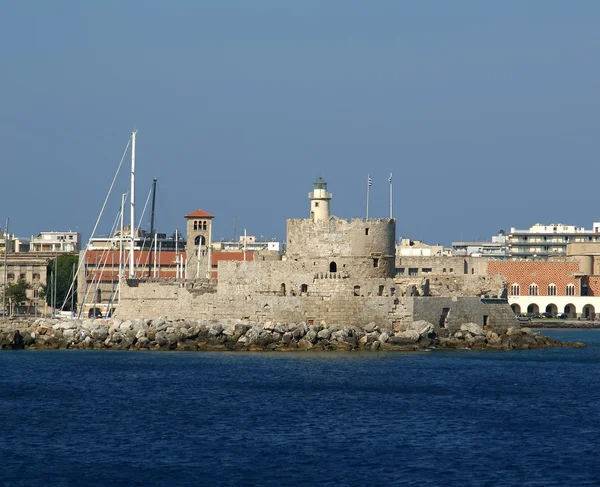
[[186, 335]]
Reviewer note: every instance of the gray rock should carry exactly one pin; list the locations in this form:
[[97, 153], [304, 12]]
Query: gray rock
[[423, 328], [371, 327], [473, 329], [324, 334], [384, 337]]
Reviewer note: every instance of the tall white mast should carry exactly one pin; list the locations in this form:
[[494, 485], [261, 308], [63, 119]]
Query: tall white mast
[[131, 257]]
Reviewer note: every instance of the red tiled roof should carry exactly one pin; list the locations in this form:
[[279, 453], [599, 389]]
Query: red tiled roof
[[108, 257], [199, 214]]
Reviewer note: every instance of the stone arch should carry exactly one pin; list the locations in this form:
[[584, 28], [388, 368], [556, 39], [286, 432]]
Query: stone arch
[[570, 310], [199, 240], [95, 313], [533, 308], [516, 308], [589, 311], [552, 308], [332, 266], [282, 290]]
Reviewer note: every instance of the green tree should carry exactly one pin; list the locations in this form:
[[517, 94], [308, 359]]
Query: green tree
[[64, 280], [17, 292]]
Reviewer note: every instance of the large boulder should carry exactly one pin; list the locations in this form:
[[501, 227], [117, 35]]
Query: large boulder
[[422, 327], [473, 329], [408, 337]]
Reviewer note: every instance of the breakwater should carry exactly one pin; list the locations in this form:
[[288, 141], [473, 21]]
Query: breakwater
[[163, 334]]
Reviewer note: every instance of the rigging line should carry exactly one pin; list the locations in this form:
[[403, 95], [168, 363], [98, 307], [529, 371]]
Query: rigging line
[[82, 259], [140, 225], [103, 260]]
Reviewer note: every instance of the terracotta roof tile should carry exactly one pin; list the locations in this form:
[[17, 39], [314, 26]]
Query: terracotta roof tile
[[199, 214]]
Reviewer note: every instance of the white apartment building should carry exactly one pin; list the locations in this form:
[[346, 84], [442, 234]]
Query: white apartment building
[[55, 242], [548, 240]]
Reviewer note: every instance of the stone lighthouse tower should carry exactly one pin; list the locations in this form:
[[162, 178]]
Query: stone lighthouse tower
[[319, 201]]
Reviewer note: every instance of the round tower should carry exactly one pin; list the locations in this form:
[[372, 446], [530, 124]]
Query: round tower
[[319, 201]]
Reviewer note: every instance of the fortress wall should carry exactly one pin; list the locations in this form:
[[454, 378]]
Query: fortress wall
[[267, 278], [351, 244], [151, 299], [462, 310], [443, 264]]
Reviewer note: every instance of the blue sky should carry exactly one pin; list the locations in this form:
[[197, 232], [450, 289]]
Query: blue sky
[[487, 113]]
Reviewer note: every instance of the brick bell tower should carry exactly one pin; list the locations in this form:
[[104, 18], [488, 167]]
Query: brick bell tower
[[198, 244]]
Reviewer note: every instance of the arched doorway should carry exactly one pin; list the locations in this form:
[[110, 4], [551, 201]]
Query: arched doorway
[[552, 308], [516, 308], [589, 312], [282, 290], [570, 311], [332, 267], [95, 313], [533, 309]]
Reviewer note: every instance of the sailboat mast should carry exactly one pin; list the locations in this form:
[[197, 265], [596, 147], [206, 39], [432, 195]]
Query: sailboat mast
[[131, 257]]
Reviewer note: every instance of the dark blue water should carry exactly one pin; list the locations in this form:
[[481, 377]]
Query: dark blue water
[[460, 418]]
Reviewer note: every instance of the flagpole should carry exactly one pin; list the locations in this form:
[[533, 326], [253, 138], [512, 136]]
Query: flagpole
[[368, 191], [391, 195]]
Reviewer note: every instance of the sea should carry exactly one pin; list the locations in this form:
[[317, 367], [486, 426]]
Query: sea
[[437, 418]]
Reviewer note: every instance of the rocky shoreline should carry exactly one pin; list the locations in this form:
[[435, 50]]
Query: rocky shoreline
[[185, 335]]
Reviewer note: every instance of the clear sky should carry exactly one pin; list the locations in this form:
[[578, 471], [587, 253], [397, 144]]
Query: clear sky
[[487, 113]]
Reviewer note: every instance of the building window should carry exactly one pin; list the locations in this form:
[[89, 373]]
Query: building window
[[36, 294], [413, 271], [533, 289], [332, 267], [444, 270], [375, 262], [392, 291], [316, 204], [304, 288], [515, 290], [10, 275], [36, 276], [552, 290], [98, 295], [21, 276], [380, 290], [426, 270], [203, 225], [400, 270], [366, 231], [357, 290], [195, 225], [451, 270], [570, 290]]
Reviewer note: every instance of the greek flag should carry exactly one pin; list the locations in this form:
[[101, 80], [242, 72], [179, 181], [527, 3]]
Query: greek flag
[[390, 178], [369, 180]]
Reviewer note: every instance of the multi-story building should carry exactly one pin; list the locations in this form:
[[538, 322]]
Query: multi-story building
[[497, 248], [32, 268], [548, 240], [55, 242]]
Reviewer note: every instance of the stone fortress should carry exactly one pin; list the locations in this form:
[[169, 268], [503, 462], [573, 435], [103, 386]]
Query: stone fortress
[[335, 272]]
